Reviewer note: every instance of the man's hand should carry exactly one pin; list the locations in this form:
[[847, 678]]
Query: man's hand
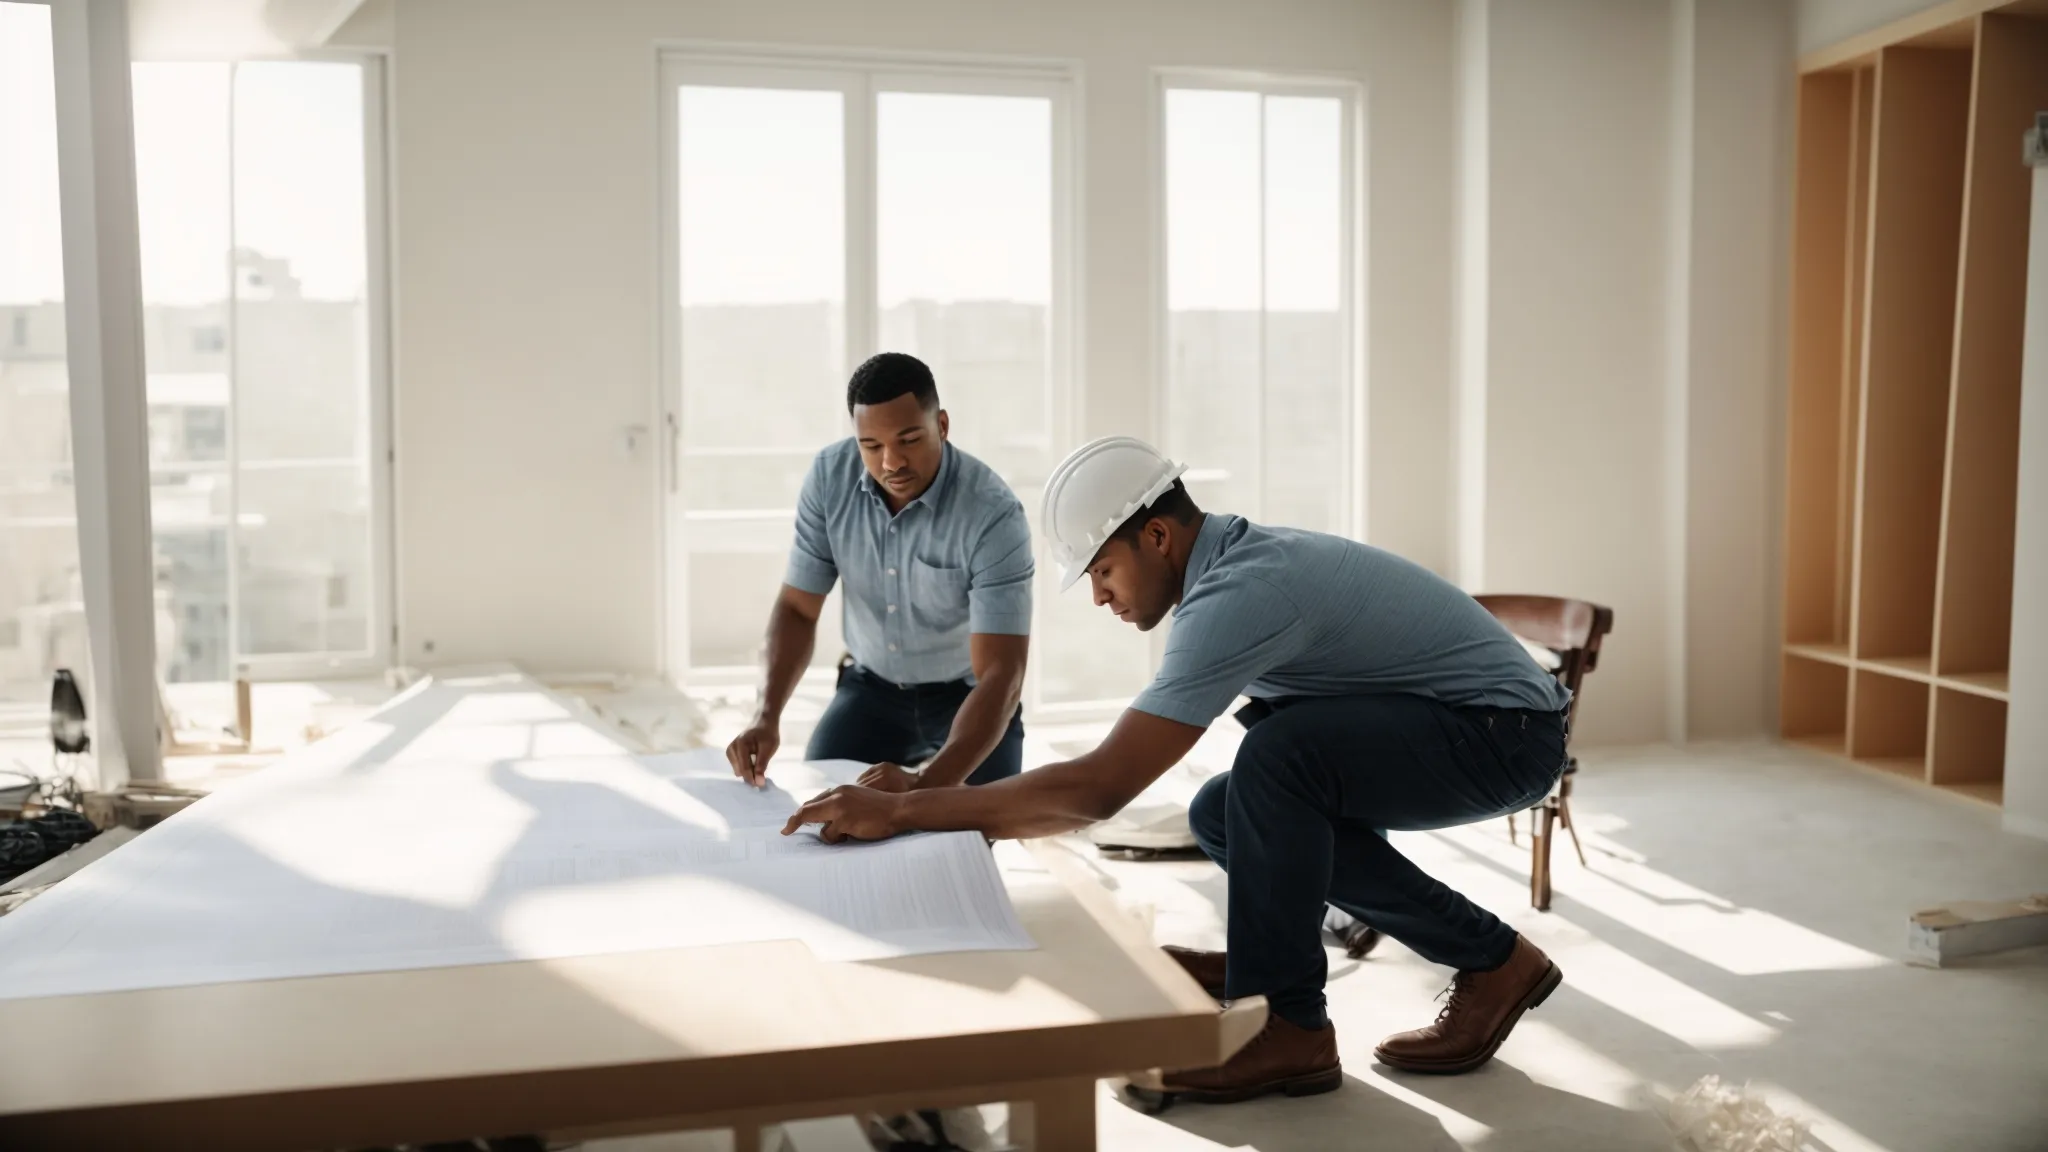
[[887, 777], [849, 812], [749, 751]]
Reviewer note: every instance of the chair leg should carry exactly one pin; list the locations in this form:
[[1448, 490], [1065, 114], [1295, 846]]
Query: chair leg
[[1539, 857], [1511, 829], [1564, 816]]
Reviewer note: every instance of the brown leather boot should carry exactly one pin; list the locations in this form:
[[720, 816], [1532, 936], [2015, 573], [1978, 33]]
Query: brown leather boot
[[1206, 967], [1281, 1058], [1483, 1009]]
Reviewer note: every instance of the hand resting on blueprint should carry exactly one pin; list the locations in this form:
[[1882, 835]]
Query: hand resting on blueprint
[[887, 777], [849, 812]]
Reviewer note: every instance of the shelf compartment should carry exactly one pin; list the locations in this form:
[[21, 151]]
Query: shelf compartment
[[1968, 753], [1888, 723], [1921, 130], [1992, 793], [1814, 704], [1828, 202], [1974, 630]]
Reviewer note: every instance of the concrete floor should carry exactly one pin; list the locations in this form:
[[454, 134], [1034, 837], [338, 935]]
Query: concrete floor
[[1742, 916]]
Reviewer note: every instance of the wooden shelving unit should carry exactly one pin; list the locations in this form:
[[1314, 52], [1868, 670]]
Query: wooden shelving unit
[[1909, 286]]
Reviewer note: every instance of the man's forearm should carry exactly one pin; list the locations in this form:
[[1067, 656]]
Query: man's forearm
[[1045, 802], [791, 638], [977, 728]]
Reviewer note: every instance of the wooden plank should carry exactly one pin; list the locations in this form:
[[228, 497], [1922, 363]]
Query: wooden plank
[[1827, 653], [1857, 249], [1920, 668], [1968, 739], [1056, 1117], [1916, 217], [2010, 83], [1813, 451], [1889, 728], [1996, 685], [1939, 937]]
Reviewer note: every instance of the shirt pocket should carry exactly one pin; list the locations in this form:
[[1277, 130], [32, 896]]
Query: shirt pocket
[[938, 596]]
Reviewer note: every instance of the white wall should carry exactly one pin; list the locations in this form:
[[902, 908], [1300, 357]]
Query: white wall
[[1634, 182], [1736, 362], [527, 322], [1578, 190]]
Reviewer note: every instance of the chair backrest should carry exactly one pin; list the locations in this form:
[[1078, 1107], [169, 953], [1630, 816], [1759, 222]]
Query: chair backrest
[[1570, 629]]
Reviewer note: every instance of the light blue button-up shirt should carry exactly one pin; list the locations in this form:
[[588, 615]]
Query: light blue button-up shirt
[[955, 561], [1268, 612]]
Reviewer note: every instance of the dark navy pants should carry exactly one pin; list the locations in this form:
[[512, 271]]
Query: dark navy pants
[[1301, 819], [871, 720]]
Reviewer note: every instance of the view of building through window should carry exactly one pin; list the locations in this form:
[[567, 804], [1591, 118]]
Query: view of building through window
[[1261, 389], [255, 238]]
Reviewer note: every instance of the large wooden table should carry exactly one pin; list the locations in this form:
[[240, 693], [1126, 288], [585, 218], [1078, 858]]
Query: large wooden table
[[735, 1036]]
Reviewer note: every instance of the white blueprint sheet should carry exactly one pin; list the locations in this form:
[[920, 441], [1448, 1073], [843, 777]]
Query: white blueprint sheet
[[346, 866]]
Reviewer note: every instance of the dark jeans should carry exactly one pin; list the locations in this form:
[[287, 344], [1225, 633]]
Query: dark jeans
[[1301, 817], [871, 720]]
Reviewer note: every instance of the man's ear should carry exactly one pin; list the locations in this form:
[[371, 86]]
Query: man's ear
[[1159, 535], [945, 424]]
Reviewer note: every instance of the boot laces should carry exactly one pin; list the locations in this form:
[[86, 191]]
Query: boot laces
[[1454, 995]]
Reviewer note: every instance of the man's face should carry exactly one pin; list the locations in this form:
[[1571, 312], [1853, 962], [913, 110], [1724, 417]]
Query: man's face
[[901, 444], [1135, 580]]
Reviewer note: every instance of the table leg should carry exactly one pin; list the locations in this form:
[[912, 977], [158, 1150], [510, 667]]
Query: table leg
[[746, 1138], [1059, 1115]]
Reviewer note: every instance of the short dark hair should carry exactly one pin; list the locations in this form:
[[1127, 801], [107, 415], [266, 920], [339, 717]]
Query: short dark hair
[[1173, 504], [888, 375]]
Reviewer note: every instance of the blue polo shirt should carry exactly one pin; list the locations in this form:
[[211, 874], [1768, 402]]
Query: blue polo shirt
[[1270, 612], [955, 561]]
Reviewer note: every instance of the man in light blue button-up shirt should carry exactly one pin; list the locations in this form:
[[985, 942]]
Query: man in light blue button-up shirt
[[935, 554]]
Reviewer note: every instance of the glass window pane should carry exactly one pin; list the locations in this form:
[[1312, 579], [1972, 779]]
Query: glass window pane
[[42, 611], [730, 595], [964, 249], [761, 175], [183, 185], [304, 553], [1213, 270], [301, 356], [1307, 391]]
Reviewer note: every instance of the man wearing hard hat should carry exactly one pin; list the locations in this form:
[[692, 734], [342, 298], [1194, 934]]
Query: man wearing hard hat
[[1383, 698], [935, 554]]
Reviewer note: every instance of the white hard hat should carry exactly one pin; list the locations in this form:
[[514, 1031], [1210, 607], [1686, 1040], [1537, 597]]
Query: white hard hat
[[1094, 491]]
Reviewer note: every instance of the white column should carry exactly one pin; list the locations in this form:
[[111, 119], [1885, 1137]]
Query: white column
[[109, 411], [1470, 310], [2026, 730]]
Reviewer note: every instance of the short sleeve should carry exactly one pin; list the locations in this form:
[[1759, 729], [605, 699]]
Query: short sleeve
[[999, 577], [812, 567], [1225, 636]]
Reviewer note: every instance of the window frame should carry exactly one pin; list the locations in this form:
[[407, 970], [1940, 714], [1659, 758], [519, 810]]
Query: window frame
[[377, 205], [861, 78], [1350, 94], [377, 290]]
